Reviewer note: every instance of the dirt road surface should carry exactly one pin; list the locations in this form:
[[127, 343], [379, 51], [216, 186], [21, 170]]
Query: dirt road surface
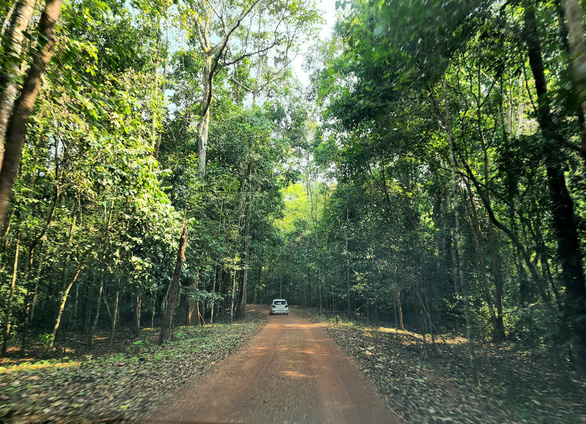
[[291, 372]]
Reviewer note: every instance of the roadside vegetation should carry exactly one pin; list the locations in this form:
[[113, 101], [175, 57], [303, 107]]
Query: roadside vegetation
[[161, 166], [420, 387], [122, 385]]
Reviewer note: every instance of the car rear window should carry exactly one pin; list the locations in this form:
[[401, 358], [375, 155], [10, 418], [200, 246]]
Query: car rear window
[[280, 302]]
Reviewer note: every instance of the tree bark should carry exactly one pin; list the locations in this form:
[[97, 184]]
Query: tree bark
[[94, 325], [115, 316], [243, 295], [459, 254], [204, 123], [400, 307], [16, 129], [497, 321], [137, 309], [575, 28], [10, 298], [13, 49], [64, 296], [167, 325], [562, 205]]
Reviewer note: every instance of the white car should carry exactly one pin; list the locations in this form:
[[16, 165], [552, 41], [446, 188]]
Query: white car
[[279, 306]]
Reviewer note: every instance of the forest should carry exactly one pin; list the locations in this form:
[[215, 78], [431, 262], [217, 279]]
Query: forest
[[162, 165]]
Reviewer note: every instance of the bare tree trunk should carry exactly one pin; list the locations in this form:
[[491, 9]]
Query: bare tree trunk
[[8, 316], [13, 49], [459, 252], [498, 331], [64, 296], [191, 304], [137, 309], [31, 305], [562, 205], [7, 19], [16, 128], [204, 122], [213, 306], [115, 316], [153, 312], [575, 28], [174, 288], [94, 325], [399, 305], [233, 293], [243, 295]]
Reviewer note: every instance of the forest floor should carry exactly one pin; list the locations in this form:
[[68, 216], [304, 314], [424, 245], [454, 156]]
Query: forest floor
[[120, 386], [437, 389]]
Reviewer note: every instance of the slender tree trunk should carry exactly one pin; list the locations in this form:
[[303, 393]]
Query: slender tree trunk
[[137, 309], [115, 316], [459, 254], [8, 315], [174, 288], [498, 330], [575, 30], [31, 305], [400, 307], [233, 293], [213, 306], [94, 325], [191, 303], [7, 19], [64, 296], [562, 205], [13, 49], [16, 128], [204, 122], [242, 309]]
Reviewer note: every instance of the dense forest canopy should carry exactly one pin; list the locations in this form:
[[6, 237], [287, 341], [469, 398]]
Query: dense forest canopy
[[162, 165]]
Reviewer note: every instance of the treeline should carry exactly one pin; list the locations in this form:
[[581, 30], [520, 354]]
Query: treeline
[[151, 160], [456, 200]]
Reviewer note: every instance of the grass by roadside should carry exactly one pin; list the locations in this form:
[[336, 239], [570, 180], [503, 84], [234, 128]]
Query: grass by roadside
[[436, 389], [118, 387]]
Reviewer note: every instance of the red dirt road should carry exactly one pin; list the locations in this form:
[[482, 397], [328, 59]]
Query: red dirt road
[[291, 372]]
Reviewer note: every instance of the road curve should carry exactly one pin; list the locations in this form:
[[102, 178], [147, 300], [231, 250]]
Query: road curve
[[291, 372]]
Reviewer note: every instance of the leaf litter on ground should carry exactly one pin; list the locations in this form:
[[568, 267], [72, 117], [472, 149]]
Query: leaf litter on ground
[[436, 388], [119, 387]]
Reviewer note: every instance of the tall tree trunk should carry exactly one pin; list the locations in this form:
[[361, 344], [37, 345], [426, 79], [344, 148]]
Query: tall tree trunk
[[460, 254], [191, 304], [498, 330], [246, 262], [137, 309], [13, 49], [94, 325], [16, 128], [233, 292], [212, 304], [204, 120], [8, 315], [577, 46], [167, 325], [115, 316], [64, 296], [400, 307], [562, 205], [31, 306]]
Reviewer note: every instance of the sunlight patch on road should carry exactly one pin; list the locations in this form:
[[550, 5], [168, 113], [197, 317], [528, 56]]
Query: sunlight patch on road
[[293, 374]]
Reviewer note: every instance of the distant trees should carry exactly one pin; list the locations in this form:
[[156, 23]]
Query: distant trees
[[109, 178], [447, 121]]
